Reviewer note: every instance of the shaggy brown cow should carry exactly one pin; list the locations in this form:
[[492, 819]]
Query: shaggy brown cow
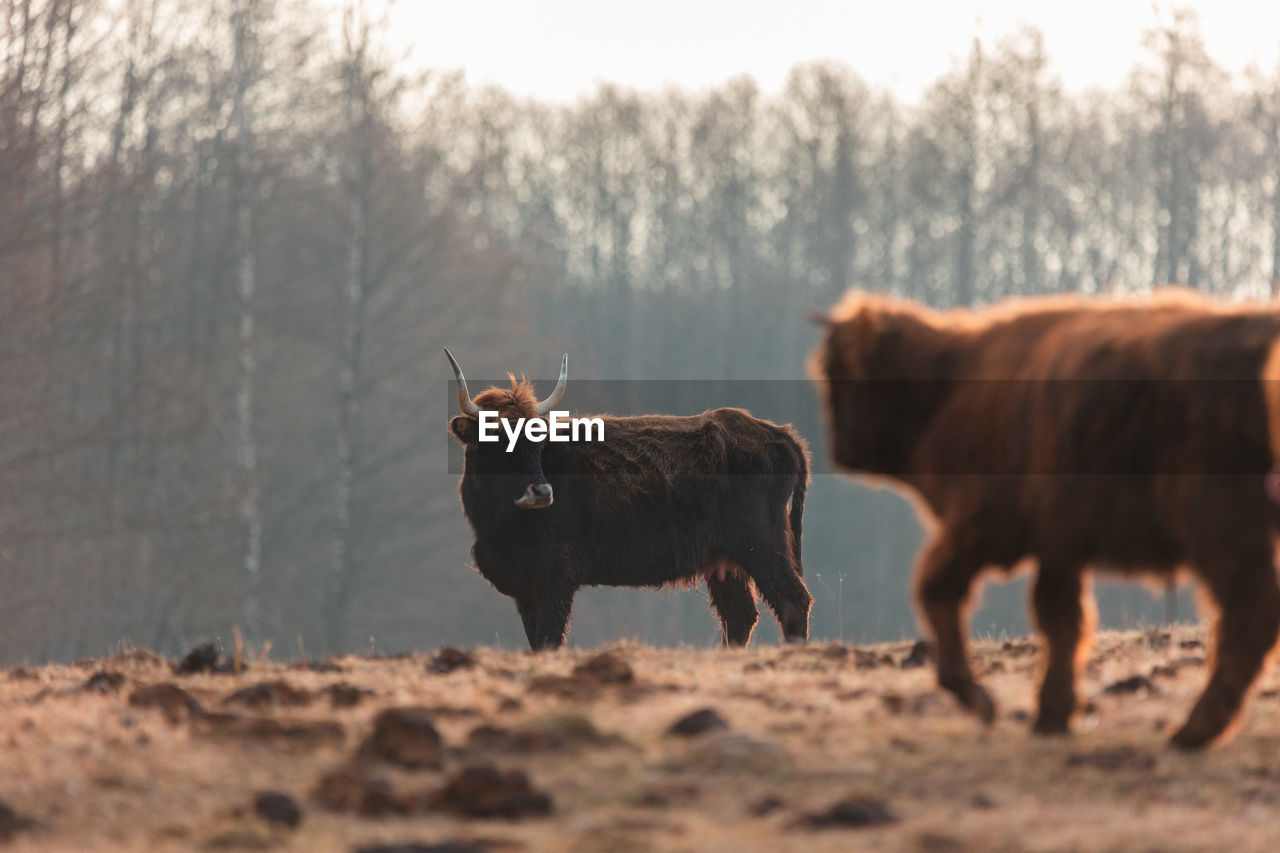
[[661, 500], [1124, 435]]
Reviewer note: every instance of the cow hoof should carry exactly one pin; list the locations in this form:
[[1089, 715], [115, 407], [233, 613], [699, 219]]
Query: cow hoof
[[979, 701], [1191, 738], [1051, 727]]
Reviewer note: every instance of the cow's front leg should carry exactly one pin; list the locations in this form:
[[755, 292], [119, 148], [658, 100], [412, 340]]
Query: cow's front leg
[[528, 609], [944, 576], [545, 614]]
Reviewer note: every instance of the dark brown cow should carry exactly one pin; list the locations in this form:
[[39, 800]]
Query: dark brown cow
[[661, 500], [1072, 434]]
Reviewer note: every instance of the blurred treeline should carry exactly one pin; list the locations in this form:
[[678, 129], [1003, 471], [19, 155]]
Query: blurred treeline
[[234, 235]]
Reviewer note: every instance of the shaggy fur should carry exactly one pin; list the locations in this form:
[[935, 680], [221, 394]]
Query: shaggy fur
[[662, 500], [1130, 436]]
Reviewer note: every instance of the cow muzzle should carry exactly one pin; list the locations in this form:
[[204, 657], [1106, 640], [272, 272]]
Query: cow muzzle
[[1272, 485], [536, 496]]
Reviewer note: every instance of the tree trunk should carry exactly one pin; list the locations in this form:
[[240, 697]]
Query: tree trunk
[[246, 280], [1275, 223], [348, 405], [355, 289]]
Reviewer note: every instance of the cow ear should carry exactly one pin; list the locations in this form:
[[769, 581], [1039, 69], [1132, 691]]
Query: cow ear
[[463, 428]]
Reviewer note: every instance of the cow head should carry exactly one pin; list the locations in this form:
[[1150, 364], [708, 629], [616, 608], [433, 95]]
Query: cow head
[[497, 474], [883, 368]]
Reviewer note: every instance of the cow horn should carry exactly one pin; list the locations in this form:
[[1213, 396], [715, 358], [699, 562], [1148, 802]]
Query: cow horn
[[465, 403], [547, 404]]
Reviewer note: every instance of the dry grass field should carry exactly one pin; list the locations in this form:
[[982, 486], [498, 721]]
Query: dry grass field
[[820, 747]]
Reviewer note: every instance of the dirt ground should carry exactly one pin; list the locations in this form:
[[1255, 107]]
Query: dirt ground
[[818, 747]]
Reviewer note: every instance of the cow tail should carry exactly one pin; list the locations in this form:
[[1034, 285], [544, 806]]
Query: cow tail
[[796, 519], [1271, 396]]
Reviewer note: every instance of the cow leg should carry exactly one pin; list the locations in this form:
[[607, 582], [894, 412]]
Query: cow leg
[[528, 610], [943, 579], [1246, 631], [733, 600], [769, 565], [1064, 612], [553, 618], [545, 616]]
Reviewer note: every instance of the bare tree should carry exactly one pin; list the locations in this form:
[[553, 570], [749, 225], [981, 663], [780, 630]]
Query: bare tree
[[243, 201], [1182, 142], [1264, 119], [357, 179]]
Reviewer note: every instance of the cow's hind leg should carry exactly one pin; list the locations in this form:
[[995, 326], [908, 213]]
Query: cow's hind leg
[[1248, 598], [944, 577], [1064, 612], [767, 561], [734, 601]]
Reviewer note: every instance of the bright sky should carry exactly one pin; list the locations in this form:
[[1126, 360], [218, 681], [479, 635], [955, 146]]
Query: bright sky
[[560, 49]]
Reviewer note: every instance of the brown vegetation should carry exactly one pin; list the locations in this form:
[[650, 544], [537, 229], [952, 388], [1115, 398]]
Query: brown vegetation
[[819, 747]]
